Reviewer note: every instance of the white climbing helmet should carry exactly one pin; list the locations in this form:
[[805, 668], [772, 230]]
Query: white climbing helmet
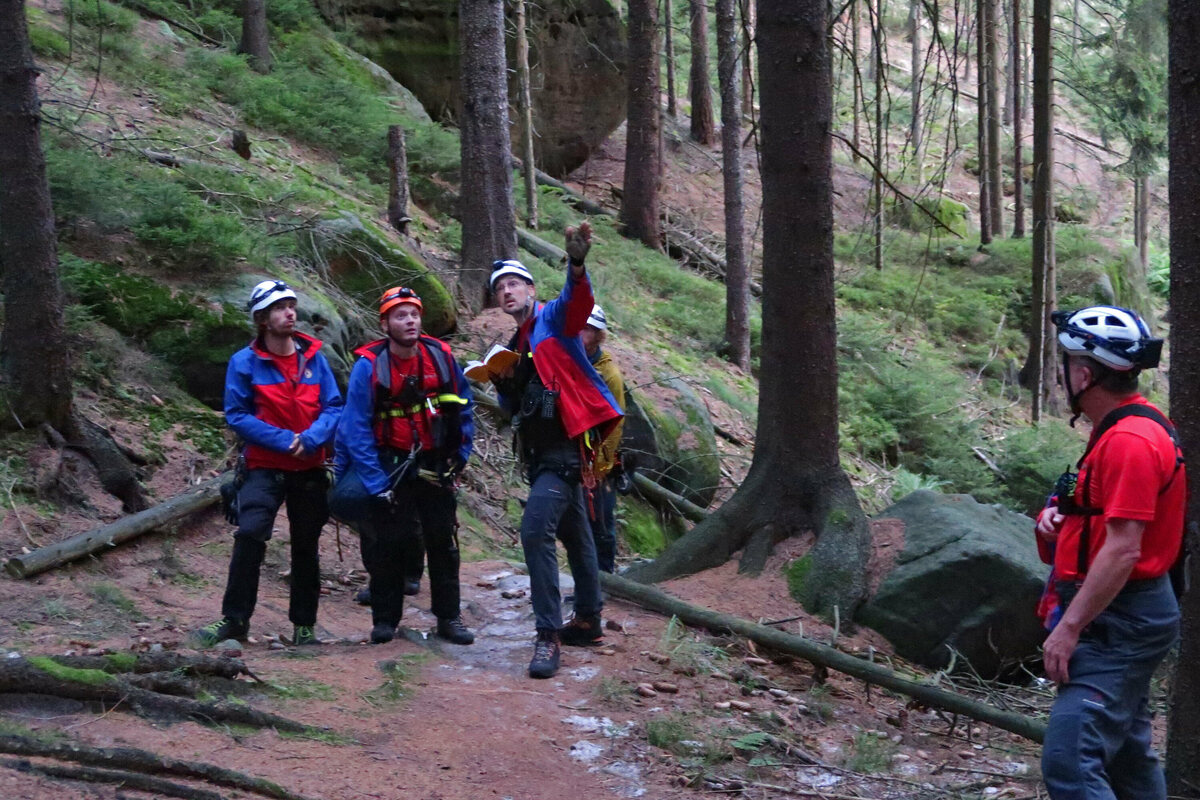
[[508, 266], [597, 318], [267, 293], [1116, 337]]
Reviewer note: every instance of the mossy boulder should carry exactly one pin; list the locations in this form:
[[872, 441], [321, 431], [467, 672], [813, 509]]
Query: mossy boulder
[[673, 440], [577, 56], [192, 332], [362, 262], [968, 579], [919, 215]]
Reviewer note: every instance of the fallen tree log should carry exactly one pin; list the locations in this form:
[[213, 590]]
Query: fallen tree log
[[657, 600], [653, 491], [145, 783], [41, 675], [141, 663], [540, 247], [115, 533], [132, 758]]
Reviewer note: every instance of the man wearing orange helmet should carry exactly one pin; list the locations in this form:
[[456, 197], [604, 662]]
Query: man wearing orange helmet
[[407, 430]]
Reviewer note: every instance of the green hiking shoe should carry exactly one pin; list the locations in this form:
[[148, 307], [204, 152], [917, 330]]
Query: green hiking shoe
[[304, 634], [219, 631]]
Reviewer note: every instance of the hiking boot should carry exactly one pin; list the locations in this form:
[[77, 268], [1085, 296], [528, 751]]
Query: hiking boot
[[412, 587], [545, 655], [304, 634], [455, 631], [382, 632], [219, 631], [582, 631], [363, 596]]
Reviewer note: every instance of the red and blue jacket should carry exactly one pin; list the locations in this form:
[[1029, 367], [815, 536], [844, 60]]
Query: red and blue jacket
[[267, 409], [360, 433], [562, 364]]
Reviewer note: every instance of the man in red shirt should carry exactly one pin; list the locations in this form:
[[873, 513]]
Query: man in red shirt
[[407, 431], [283, 402], [1112, 541]]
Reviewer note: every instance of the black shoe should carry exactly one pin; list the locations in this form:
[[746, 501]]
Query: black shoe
[[363, 596], [545, 655], [455, 631], [412, 587], [382, 632], [582, 631], [225, 628]]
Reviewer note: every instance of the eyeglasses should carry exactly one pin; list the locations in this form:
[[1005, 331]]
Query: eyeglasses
[[403, 293]]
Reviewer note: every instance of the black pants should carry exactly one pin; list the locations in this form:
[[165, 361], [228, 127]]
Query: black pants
[[264, 491], [422, 510]]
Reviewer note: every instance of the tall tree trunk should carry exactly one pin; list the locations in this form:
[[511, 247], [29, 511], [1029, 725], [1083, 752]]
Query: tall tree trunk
[[639, 206], [737, 268], [914, 31], [1010, 56], [1018, 123], [995, 176], [748, 8], [1183, 90], [525, 108], [256, 37], [699, 90], [489, 230], [669, 50], [877, 35], [1038, 372], [855, 24], [1142, 182], [796, 482], [397, 210], [33, 347], [985, 194]]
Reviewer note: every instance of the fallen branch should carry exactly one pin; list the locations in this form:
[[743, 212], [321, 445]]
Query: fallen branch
[[657, 600], [132, 780], [23, 676], [540, 247], [132, 758], [685, 508], [115, 533], [146, 11]]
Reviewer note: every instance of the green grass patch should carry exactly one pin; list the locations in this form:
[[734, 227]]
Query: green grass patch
[[398, 675], [298, 688], [870, 753], [110, 596], [688, 652]]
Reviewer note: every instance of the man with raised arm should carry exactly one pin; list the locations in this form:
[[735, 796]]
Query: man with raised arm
[[561, 412]]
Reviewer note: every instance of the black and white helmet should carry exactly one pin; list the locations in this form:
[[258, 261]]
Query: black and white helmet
[[1116, 337], [267, 293], [598, 319], [509, 266]]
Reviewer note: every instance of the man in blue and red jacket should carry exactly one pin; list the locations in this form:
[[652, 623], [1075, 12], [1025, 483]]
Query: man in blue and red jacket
[[407, 432], [561, 411], [283, 402]]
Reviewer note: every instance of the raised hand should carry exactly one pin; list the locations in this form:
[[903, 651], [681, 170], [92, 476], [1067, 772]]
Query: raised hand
[[579, 242]]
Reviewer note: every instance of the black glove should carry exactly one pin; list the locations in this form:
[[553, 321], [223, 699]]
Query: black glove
[[229, 501], [624, 483]]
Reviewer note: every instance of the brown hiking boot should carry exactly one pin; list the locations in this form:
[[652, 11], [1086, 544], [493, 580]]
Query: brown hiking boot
[[582, 632], [545, 655]]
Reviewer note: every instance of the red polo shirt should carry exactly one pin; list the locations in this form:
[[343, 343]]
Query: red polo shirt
[[1131, 473]]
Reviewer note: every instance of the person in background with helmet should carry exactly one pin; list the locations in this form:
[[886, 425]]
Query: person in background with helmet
[[561, 410], [408, 431], [603, 514], [282, 401], [1113, 539]]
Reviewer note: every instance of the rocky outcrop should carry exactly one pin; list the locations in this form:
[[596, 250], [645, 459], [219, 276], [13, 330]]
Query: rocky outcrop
[[672, 438], [577, 58], [968, 578]]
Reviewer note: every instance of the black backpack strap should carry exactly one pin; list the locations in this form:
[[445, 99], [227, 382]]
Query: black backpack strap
[[441, 364], [1106, 424]]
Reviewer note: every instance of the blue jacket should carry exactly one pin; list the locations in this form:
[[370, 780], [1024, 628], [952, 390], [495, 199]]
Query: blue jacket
[[562, 363], [267, 411], [356, 441]]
